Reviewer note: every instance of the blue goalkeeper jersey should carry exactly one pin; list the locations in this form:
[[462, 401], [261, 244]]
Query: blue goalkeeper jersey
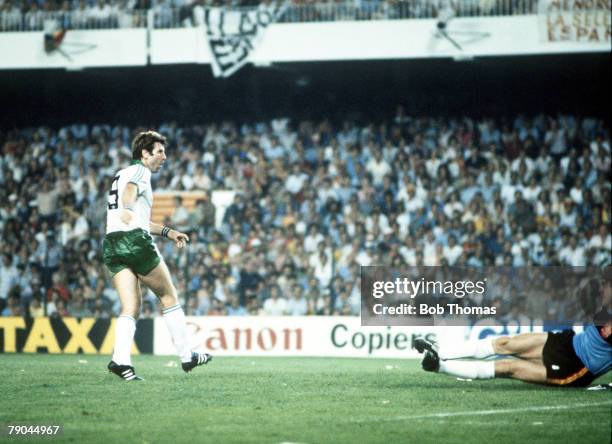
[[593, 350]]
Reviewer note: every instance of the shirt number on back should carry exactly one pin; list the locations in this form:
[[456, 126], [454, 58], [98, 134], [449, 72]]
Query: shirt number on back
[[113, 195]]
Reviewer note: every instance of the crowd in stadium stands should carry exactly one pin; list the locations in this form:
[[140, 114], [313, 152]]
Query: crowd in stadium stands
[[313, 202], [86, 14]]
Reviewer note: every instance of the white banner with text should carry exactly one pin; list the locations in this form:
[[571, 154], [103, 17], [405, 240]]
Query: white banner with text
[[315, 336], [554, 31]]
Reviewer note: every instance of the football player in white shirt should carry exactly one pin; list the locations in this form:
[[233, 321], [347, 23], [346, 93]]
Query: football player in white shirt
[[132, 257]]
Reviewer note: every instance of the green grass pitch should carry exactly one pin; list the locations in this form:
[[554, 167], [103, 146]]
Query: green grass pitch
[[298, 400]]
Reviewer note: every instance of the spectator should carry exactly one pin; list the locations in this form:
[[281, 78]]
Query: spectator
[[8, 279], [297, 305], [250, 281], [235, 309], [203, 216], [46, 201], [452, 252], [13, 307], [180, 215], [36, 310], [275, 305]]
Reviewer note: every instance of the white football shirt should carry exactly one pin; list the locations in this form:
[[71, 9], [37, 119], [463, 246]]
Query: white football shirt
[[139, 175]]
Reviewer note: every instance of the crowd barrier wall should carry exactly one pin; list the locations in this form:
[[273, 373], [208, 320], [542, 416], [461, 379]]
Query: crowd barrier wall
[[316, 336], [305, 336], [68, 335], [293, 336]]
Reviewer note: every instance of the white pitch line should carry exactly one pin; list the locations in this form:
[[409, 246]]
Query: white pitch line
[[496, 412]]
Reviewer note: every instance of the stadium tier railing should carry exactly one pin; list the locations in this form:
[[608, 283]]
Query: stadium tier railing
[[348, 10]]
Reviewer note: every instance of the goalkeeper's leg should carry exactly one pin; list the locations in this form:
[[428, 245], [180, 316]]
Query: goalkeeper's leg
[[525, 346], [520, 369]]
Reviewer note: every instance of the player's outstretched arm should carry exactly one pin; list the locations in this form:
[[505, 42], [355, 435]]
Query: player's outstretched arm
[[180, 239]]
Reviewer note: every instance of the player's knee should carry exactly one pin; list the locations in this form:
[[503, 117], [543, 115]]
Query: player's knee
[[502, 345], [168, 299], [131, 308]]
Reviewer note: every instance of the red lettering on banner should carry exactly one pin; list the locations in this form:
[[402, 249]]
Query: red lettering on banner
[[237, 334], [246, 339], [260, 339], [221, 343], [298, 338]]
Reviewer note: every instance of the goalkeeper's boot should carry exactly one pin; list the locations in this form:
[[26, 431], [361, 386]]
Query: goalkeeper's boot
[[125, 372], [422, 345], [197, 359], [431, 361]]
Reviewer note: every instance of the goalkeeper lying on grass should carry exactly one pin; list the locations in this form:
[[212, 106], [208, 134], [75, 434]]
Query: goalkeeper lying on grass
[[565, 359]]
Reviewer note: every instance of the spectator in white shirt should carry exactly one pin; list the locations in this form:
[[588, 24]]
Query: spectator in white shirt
[[379, 221], [453, 251], [99, 14], [296, 180], [453, 206], [275, 305], [312, 239], [297, 305], [429, 248], [8, 279], [326, 192], [531, 192], [571, 254], [575, 192], [378, 168], [567, 214], [578, 257], [323, 270], [600, 245], [508, 190], [412, 201]]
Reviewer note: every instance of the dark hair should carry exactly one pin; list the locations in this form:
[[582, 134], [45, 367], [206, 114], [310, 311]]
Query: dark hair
[[146, 140]]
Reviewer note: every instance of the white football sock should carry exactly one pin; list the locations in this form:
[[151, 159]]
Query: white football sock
[[125, 327], [478, 349], [469, 369], [175, 321]]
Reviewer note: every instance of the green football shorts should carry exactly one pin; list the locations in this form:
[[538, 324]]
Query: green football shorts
[[130, 249]]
